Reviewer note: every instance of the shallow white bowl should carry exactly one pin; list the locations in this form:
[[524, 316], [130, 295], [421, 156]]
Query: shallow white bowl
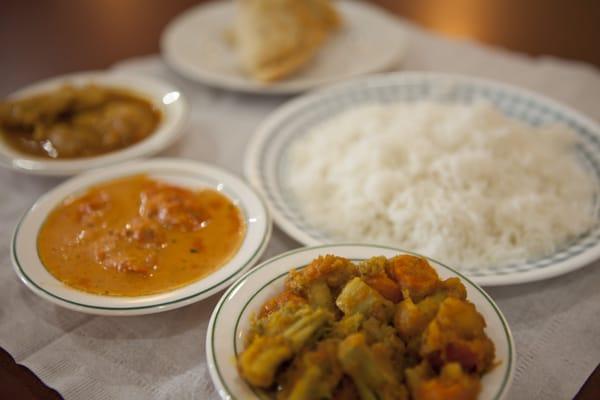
[[230, 320], [34, 275], [195, 45], [165, 97]]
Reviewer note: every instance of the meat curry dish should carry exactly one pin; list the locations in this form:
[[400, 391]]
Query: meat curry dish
[[386, 329], [137, 236], [73, 122]]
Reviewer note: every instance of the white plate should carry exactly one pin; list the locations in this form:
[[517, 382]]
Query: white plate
[[191, 174], [266, 156], [194, 44], [229, 322], [165, 97]]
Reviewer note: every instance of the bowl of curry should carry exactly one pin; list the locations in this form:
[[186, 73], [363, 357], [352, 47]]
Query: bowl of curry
[[81, 121], [140, 238], [358, 322]]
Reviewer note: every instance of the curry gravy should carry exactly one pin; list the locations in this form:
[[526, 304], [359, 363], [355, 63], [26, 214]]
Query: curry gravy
[[137, 236]]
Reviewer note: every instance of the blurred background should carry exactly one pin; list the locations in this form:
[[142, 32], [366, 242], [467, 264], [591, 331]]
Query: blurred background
[[42, 38]]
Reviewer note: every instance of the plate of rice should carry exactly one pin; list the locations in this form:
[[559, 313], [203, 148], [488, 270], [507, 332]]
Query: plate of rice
[[499, 182]]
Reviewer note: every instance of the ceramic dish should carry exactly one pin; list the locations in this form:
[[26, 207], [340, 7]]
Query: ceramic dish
[[166, 98], [194, 45], [190, 174], [267, 154], [230, 319]]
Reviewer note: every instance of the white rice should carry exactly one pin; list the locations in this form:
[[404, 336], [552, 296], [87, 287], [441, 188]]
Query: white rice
[[463, 184]]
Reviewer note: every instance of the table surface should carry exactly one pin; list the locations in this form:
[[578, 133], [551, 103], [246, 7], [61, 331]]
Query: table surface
[[47, 38]]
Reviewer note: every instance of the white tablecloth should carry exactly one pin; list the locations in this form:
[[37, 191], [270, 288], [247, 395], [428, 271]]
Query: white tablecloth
[[556, 323]]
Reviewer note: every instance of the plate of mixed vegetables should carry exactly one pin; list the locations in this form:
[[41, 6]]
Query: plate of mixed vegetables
[[361, 322]]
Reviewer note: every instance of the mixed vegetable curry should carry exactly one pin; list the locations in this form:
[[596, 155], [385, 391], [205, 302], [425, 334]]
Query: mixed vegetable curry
[[386, 329], [73, 122]]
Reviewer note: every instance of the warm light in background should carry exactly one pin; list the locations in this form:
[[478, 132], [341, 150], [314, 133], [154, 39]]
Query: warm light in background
[[537, 27], [458, 18], [111, 30]]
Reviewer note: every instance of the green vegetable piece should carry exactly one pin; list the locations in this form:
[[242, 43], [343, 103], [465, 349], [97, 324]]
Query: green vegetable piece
[[314, 375], [358, 297], [348, 325], [305, 328], [371, 370], [319, 295], [260, 361]]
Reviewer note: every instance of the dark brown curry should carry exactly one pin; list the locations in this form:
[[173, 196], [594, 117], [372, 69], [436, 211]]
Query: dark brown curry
[[73, 122]]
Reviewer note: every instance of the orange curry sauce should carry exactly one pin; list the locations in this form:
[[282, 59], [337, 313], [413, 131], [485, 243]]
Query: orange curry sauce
[[136, 236]]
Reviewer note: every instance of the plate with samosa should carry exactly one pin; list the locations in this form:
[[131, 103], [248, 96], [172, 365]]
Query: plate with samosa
[[281, 46]]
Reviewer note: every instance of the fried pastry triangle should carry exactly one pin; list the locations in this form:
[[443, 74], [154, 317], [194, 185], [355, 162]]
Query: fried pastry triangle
[[275, 38]]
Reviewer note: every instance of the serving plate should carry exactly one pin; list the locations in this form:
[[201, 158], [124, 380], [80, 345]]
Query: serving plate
[[34, 275], [229, 322], [195, 45], [266, 162], [165, 97]]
